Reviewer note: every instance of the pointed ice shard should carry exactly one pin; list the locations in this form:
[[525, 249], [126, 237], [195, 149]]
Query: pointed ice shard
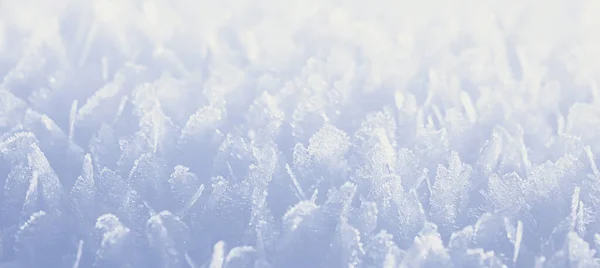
[[169, 236], [185, 188], [51, 190], [83, 192], [218, 256], [114, 240]]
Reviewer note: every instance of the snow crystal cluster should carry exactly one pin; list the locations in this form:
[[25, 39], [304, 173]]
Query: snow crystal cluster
[[299, 133]]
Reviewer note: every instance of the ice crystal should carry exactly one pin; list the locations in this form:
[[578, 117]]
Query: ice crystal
[[299, 133]]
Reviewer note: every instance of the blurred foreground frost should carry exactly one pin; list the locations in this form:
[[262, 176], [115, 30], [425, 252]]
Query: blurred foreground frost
[[185, 133]]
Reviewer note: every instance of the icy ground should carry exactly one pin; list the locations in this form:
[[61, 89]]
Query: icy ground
[[299, 133]]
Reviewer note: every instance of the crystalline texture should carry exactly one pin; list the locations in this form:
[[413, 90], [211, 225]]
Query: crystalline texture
[[169, 236], [329, 143], [450, 190], [295, 133]]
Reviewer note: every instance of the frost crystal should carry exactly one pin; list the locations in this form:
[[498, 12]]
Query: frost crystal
[[294, 133]]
